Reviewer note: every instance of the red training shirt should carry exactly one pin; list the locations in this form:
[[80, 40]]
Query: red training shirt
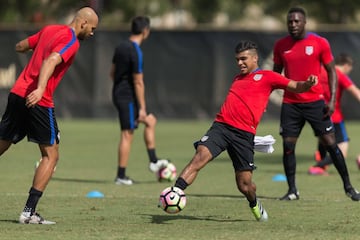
[[344, 82], [248, 97], [52, 38], [301, 58]]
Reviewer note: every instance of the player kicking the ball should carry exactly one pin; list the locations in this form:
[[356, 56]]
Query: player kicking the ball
[[235, 125]]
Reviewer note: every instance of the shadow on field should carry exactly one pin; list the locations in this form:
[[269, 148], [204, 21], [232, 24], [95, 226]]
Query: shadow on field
[[164, 219], [94, 181], [9, 221], [79, 180], [229, 196]]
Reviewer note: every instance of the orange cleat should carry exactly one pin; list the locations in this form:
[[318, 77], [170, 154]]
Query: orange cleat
[[318, 171], [358, 161], [317, 156]]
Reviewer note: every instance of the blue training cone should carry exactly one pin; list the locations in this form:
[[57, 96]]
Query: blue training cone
[[95, 194], [279, 178]]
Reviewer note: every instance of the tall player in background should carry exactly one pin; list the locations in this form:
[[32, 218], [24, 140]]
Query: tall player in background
[[300, 54], [343, 65], [30, 108]]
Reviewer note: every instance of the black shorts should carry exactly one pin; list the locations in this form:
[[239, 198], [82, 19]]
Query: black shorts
[[341, 133], [239, 145], [128, 111], [293, 118], [37, 123]]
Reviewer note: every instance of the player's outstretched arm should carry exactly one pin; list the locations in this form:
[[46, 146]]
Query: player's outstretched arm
[[354, 91], [302, 86], [22, 46]]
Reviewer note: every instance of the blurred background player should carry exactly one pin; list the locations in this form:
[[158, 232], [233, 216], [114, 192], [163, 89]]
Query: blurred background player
[[300, 54], [343, 66], [129, 98], [235, 124], [30, 110]]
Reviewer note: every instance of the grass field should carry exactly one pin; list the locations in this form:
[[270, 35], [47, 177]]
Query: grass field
[[215, 209]]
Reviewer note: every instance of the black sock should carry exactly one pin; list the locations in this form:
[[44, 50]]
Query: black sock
[[339, 162], [152, 155], [322, 150], [252, 203], [289, 163], [32, 201], [121, 172], [324, 162], [180, 183]]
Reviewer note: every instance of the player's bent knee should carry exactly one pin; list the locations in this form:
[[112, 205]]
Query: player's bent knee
[[328, 139]]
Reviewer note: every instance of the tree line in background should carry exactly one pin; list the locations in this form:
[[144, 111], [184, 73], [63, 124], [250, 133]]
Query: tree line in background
[[202, 11]]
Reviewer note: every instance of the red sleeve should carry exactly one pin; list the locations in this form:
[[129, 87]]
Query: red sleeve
[[33, 39], [278, 80], [66, 44], [344, 81], [326, 55]]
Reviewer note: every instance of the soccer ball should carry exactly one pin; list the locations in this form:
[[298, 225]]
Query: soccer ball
[[167, 173], [172, 200]]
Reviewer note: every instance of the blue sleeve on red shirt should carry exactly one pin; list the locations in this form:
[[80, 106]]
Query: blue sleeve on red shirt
[[72, 41]]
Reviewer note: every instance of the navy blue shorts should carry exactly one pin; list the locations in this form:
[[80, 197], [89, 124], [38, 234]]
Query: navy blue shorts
[[293, 117], [239, 145], [37, 123], [341, 133], [128, 112]]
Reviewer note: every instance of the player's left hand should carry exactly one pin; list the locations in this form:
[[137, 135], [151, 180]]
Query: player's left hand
[[329, 110], [142, 115], [33, 98]]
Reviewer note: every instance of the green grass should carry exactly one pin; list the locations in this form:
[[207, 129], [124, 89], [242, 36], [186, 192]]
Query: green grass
[[215, 209]]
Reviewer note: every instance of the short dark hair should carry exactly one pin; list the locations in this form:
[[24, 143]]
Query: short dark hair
[[297, 10], [245, 45], [139, 23], [343, 59]]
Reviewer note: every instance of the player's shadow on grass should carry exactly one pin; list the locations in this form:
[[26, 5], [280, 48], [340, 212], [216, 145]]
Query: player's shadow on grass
[[165, 219], [96, 181], [229, 196], [79, 180], [9, 221]]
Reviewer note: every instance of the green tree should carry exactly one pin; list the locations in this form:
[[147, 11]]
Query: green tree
[[204, 10], [325, 11], [20, 11], [136, 7]]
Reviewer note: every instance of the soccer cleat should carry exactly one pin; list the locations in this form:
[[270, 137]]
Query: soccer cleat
[[313, 170], [35, 218], [317, 156], [124, 181], [358, 162], [353, 194], [259, 212], [155, 167], [290, 196]]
